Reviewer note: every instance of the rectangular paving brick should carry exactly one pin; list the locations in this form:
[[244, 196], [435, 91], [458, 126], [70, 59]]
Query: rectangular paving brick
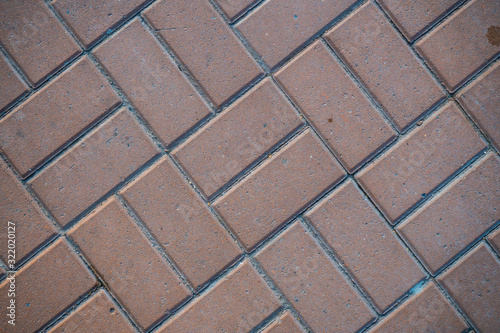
[[34, 38], [463, 43], [481, 100], [414, 16], [312, 284], [30, 226], [494, 239], [98, 314], [205, 44], [233, 8], [474, 282], [237, 137], [94, 166], [280, 187], [285, 323], [237, 303], [40, 127], [427, 311], [457, 216], [44, 288], [278, 27], [152, 82], [382, 60], [12, 85], [92, 19], [181, 222], [139, 277], [422, 160], [334, 105], [366, 245]]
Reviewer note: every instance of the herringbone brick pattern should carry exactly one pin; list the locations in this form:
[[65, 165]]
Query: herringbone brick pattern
[[249, 166]]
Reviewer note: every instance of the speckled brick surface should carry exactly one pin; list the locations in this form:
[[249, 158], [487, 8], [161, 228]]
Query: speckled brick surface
[[249, 166]]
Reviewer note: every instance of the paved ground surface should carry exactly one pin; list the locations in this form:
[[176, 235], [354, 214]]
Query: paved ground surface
[[239, 165]]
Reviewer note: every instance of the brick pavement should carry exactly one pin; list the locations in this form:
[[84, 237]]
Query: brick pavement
[[250, 165]]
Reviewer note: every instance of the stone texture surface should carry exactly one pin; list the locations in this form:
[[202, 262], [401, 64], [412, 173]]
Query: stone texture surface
[[137, 274], [380, 58], [494, 239], [55, 115], [12, 85], [474, 282], [233, 8], [34, 38], [421, 161], [285, 323], [464, 42], [237, 137], [208, 48], [457, 216], [312, 284]]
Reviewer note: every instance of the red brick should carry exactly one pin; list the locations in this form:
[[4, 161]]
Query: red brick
[[457, 216], [94, 166], [385, 64], [233, 8], [98, 314], [366, 245], [92, 19], [12, 85], [463, 43], [32, 227], [45, 287], [413, 16], [286, 323], [334, 105], [428, 311], [237, 137], [34, 38], [494, 239], [474, 282], [205, 44], [278, 27], [152, 82], [279, 188], [421, 161], [55, 115], [237, 303], [312, 283], [481, 101], [138, 276], [181, 222]]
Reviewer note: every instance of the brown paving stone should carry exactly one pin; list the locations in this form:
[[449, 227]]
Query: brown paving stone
[[55, 115], [139, 277], [335, 105], [12, 87], [92, 19], [279, 188], [464, 42], [237, 303], [112, 152], [181, 222], [152, 82], [45, 287], [97, 314], [428, 311], [379, 56], [237, 137], [204, 43], [413, 16], [286, 323], [278, 27], [481, 100], [474, 282], [421, 161], [453, 219], [312, 283], [366, 245], [494, 239], [34, 38], [233, 8], [32, 227]]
